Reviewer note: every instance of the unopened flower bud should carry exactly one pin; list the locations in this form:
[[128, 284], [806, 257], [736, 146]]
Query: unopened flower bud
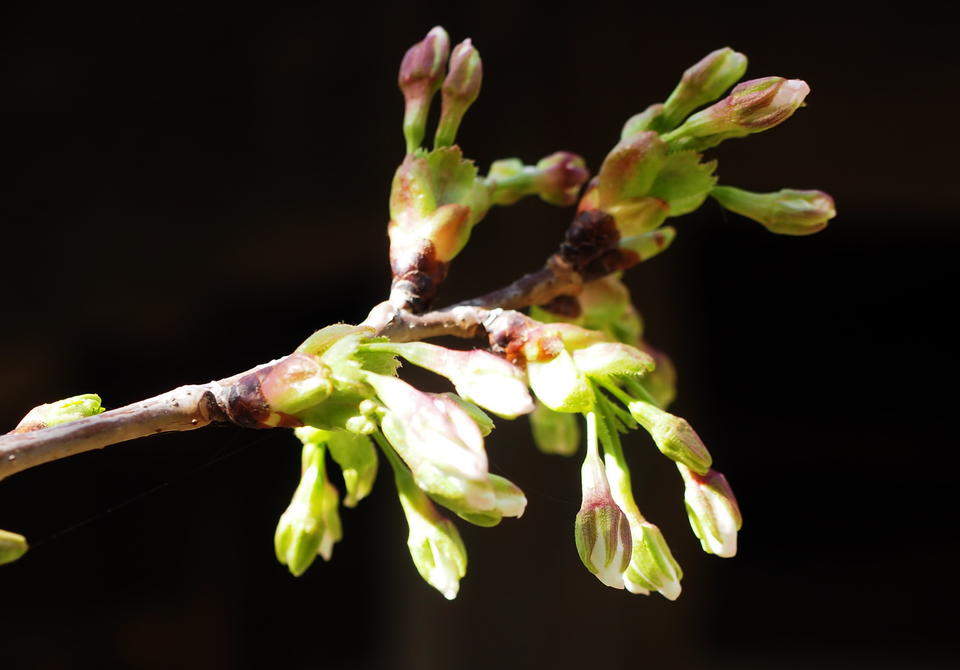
[[12, 546], [510, 501], [751, 107], [62, 411], [612, 359], [479, 376], [557, 179], [296, 383], [421, 73], [601, 531], [702, 83], [311, 524], [630, 168], [434, 542], [652, 565], [674, 437], [648, 245], [357, 458], [460, 89], [555, 432], [648, 119], [713, 511], [438, 440], [785, 212]]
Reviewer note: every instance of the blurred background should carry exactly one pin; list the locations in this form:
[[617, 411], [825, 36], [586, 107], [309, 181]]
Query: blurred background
[[194, 190]]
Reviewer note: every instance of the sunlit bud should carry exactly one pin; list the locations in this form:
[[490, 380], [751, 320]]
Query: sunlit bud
[[702, 84], [479, 376], [296, 383], [421, 73], [630, 168], [712, 510], [558, 383], [557, 179], [648, 245], [638, 215], [612, 359], [510, 502], [786, 212], [438, 440], [434, 543], [357, 458], [484, 422], [460, 89], [311, 523], [555, 432], [652, 565], [674, 437], [61, 411], [602, 531], [645, 120], [751, 107], [661, 383], [12, 546]]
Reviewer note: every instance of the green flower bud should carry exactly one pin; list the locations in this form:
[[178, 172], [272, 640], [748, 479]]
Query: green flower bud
[[648, 119], [713, 511], [434, 543], [510, 501], [460, 90], [785, 212], [557, 179], [701, 84], [555, 432], [357, 458], [311, 524], [612, 359], [601, 531], [12, 546], [479, 376], [61, 411], [438, 441], [751, 107], [674, 437], [630, 168], [421, 73], [648, 245]]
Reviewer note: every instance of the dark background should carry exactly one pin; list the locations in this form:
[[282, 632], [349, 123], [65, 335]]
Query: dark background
[[192, 191]]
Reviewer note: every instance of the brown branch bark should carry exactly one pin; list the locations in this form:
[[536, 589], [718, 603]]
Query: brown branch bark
[[196, 406]]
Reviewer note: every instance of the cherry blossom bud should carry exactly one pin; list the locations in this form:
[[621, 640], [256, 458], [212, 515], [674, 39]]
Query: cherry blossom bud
[[701, 84], [479, 376], [12, 546], [61, 411], [460, 90], [601, 531], [510, 501], [355, 454], [785, 212], [555, 432], [674, 437], [311, 524], [557, 179], [630, 168], [438, 441], [713, 511], [648, 119], [652, 565], [612, 359], [751, 107], [421, 73], [434, 542]]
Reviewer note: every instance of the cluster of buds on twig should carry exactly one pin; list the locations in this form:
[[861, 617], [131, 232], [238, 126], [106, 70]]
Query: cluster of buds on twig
[[582, 353]]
